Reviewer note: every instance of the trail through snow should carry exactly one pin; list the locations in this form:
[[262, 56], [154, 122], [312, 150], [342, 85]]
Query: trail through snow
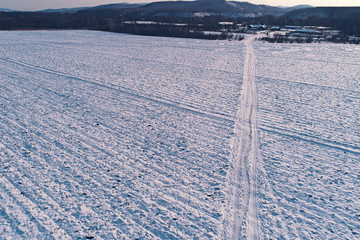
[[242, 220]]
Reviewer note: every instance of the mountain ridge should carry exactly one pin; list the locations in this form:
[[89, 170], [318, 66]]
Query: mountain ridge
[[180, 9], [7, 10], [326, 12], [192, 8]]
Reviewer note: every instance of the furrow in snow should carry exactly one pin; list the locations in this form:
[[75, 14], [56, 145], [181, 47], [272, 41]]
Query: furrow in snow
[[39, 215], [180, 106], [85, 163]]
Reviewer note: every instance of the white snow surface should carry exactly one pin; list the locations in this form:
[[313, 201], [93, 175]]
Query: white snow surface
[[115, 136], [112, 136], [308, 178]]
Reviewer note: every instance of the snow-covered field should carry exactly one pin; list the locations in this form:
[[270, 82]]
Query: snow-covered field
[[111, 136], [114, 136], [309, 129]]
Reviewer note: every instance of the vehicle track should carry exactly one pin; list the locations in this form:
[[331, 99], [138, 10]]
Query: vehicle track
[[242, 180]]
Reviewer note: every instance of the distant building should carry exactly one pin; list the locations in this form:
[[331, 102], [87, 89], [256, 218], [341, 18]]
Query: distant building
[[275, 28], [307, 31], [292, 27], [226, 23], [257, 27], [323, 28]]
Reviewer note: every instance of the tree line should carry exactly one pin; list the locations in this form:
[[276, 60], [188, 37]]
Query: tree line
[[193, 27], [119, 24]]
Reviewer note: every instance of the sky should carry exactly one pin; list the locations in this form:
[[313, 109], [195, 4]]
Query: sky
[[31, 5]]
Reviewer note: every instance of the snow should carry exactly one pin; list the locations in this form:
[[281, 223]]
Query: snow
[[112, 136], [240, 217], [309, 115]]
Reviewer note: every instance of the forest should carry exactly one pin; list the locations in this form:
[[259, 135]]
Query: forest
[[189, 27]]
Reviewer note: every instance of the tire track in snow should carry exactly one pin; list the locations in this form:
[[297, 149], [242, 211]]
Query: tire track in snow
[[242, 216]]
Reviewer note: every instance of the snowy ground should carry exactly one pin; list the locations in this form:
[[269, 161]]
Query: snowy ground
[[111, 136], [309, 122], [114, 136]]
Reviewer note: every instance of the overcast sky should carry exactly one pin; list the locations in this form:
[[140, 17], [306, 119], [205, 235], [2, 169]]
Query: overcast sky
[[45, 4]]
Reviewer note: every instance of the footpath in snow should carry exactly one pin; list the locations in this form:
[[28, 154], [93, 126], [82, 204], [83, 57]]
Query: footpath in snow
[[240, 219]]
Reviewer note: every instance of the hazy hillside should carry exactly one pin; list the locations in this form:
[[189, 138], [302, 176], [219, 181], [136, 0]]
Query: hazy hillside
[[6, 10], [301, 6], [326, 12], [64, 10], [116, 6], [194, 8], [215, 7]]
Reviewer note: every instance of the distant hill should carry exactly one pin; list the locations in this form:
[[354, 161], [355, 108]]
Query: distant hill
[[183, 9], [326, 12], [192, 8], [115, 6], [64, 10], [213, 7], [297, 7], [6, 10]]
